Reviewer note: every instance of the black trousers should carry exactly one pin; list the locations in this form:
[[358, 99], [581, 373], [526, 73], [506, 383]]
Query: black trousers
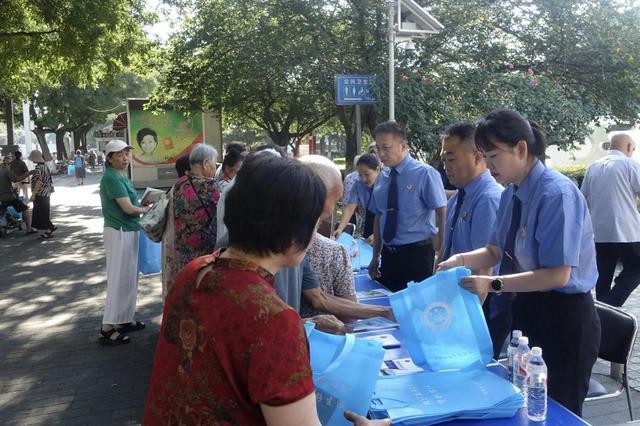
[[607, 257], [411, 262], [567, 328], [497, 312], [41, 218]]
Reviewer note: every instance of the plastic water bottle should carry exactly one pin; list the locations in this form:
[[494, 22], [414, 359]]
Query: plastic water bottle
[[355, 254], [511, 350], [520, 360], [537, 386]]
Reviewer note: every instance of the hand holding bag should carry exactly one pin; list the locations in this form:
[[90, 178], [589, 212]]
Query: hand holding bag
[[345, 372], [442, 324]]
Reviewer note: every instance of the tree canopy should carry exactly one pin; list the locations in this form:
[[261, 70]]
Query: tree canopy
[[42, 41], [563, 64]]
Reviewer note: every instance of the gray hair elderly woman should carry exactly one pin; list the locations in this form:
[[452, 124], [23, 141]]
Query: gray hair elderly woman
[[195, 199]]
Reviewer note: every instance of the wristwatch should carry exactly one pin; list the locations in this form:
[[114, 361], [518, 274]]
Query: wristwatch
[[497, 285]]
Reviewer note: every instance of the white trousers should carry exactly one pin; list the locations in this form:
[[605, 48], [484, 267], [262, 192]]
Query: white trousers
[[122, 275]]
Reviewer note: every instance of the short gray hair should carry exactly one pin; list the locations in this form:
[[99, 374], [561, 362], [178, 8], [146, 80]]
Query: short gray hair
[[202, 152]]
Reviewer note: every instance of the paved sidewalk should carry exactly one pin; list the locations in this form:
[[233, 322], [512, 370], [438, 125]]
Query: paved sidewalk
[[52, 371]]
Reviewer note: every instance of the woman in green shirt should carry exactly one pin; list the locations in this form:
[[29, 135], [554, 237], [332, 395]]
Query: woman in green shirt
[[121, 211]]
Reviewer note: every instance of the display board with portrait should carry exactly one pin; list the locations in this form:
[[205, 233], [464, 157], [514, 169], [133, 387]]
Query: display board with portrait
[[161, 138]]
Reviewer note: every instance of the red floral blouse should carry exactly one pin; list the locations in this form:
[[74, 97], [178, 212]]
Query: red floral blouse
[[226, 346]]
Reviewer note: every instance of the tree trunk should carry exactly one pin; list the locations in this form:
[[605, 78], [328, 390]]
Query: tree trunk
[[346, 114], [60, 148], [42, 141], [280, 138], [79, 139], [8, 113]]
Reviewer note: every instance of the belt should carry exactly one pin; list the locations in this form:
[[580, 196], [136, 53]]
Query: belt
[[397, 249]]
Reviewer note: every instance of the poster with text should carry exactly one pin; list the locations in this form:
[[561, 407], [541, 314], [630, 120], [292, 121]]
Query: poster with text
[[161, 138]]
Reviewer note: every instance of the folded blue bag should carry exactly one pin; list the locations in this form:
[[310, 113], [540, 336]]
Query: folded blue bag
[[149, 255], [345, 371], [442, 324], [432, 397]]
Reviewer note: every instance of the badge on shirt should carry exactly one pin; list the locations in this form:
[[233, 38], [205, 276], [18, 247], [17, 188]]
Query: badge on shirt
[[523, 232], [465, 215], [409, 187]]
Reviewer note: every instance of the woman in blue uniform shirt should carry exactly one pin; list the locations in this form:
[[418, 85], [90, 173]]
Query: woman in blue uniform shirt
[[543, 241], [368, 167]]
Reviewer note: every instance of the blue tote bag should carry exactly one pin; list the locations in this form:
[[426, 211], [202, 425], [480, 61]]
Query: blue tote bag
[[440, 396], [71, 169], [345, 372], [149, 255], [442, 324]]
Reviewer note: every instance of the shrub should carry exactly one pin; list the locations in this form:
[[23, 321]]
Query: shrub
[[574, 172]]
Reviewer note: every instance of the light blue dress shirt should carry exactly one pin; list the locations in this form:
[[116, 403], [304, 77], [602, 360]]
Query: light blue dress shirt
[[477, 214], [555, 227], [361, 195], [420, 192]]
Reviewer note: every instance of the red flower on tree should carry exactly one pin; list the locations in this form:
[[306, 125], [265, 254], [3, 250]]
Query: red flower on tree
[[534, 83], [405, 77]]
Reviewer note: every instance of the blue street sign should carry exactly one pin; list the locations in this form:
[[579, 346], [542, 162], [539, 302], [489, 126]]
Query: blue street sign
[[354, 89]]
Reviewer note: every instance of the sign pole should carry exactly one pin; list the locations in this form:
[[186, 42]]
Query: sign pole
[[358, 129]]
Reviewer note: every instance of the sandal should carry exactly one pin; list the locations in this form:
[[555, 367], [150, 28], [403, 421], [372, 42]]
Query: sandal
[[107, 337], [129, 327], [46, 235]]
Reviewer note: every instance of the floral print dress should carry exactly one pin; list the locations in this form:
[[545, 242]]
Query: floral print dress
[[194, 206], [227, 344]]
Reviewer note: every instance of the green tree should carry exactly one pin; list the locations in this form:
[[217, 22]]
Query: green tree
[[261, 63], [562, 64], [42, 41], [70, 108]]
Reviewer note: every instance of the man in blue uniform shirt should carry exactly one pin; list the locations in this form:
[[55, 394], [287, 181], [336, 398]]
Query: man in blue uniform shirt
[[406, 197], [471, 214]]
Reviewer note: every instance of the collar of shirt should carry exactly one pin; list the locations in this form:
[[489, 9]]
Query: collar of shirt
[[530, 182], [616, 153], [402, 165], [477, 183]]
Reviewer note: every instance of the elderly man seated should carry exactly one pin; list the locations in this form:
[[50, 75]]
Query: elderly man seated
[[329, 260]]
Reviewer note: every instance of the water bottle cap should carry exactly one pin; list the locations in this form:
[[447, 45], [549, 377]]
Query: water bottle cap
[[516, 334], [523, 339], [536, 351]]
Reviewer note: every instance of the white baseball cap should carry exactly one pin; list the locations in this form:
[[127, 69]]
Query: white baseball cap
[[115, 145]]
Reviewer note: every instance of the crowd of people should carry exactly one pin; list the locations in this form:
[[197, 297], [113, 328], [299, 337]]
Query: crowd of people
[[16, 182], [243, 262]]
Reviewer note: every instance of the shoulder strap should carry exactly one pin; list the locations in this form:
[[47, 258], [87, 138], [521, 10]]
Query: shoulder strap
[[206, 210]]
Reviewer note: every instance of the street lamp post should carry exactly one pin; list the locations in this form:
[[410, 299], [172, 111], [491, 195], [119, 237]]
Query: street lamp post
[[413, 21], [392, 60]]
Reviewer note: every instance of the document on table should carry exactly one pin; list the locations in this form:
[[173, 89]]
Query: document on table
[[370, 294], [399, 367], [387, 340], [371, 324]]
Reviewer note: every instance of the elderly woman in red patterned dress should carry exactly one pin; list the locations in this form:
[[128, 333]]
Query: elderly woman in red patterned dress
[[230, 350]]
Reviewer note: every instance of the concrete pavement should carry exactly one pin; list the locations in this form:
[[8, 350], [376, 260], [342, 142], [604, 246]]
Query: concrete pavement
[[52, 371]]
